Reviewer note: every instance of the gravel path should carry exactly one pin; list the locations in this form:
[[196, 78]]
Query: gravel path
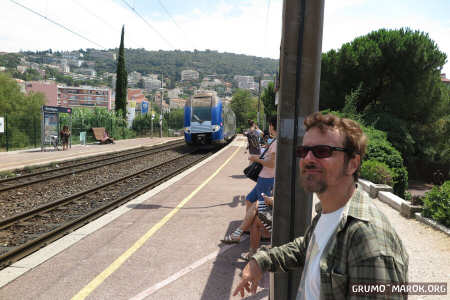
[[428, 249]]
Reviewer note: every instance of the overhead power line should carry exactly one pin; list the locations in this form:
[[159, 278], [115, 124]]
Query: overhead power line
[[173, 20], [58, 24], [148, 24], [103, 21]]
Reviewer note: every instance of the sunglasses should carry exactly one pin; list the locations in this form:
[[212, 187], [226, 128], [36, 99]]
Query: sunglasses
[[319, 151]]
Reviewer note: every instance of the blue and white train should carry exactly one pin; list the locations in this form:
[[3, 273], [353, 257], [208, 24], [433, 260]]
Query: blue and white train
[[208, 120]]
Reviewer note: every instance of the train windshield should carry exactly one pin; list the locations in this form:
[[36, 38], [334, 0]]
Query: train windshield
[[201, 109]]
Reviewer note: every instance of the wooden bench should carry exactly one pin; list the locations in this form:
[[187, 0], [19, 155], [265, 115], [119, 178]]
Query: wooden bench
[[99, 132]]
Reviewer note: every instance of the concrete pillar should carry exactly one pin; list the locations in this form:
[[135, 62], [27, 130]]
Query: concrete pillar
[[301, 48]]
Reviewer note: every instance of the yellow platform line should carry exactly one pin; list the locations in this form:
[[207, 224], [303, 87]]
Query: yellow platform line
[[91, 286]]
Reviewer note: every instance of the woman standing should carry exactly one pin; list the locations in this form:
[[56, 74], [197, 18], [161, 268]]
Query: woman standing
[[65, 134], [264, 185]]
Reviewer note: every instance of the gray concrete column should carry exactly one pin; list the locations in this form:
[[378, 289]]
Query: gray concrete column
[[301, 48]]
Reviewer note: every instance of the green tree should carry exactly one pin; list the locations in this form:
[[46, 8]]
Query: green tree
[[122, 79], [394, 78], [268, 99], [244, 106]]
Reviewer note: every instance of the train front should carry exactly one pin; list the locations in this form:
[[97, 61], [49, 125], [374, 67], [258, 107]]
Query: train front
[[202, 119]]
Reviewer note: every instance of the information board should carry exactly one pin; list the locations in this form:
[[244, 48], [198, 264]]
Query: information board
[[50, 126]]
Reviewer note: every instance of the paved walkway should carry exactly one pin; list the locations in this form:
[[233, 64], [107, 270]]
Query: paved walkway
[[428, 249]]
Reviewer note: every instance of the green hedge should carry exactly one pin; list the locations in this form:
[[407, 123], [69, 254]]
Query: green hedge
[[437, 204], [380, 149], [377, 172]]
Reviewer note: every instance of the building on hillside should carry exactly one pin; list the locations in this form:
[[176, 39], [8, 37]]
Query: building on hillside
[[85, 96], [21, 84], [22, 69], [246, 82], [133, 78], [177, 103], [48, 88], [135, 95], [189, 75], [444, 79], [151, 84], [174, 93]]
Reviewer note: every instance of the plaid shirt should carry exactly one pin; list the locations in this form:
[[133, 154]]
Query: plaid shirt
[[364, 249]]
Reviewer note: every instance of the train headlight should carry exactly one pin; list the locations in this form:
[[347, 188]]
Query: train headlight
[[187, 129], [215, 128]]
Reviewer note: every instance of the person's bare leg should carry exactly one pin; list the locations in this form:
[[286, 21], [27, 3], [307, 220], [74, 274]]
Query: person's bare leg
[[249, 216], [255, 235]]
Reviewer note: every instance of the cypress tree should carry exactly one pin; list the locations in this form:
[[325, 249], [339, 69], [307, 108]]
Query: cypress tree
[[122, 80]]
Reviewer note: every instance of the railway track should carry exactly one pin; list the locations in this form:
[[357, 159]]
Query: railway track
[[29, 231], [78, 166]]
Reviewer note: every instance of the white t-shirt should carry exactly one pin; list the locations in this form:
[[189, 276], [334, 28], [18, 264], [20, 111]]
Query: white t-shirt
[[324, 229]]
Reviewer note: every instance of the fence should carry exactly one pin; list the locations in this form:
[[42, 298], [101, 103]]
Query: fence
[[27, 133]]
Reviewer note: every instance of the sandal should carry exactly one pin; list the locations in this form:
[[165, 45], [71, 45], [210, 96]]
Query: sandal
[[229, 239]]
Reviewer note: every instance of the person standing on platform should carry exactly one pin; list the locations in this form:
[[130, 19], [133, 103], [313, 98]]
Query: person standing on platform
[[254, 200], [65, 135], [350, 241]]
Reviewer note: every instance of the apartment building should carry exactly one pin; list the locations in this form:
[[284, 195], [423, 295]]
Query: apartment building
[[85, 96], [176, 103], [189, 75]]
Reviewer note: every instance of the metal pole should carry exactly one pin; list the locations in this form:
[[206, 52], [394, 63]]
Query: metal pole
[[259, 101], [301, 46], [6, 131], [160, 112]]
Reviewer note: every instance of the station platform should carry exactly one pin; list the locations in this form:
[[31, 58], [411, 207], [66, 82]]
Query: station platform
[[165, 244], [34, 157]]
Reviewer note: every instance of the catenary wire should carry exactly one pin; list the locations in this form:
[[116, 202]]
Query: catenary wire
[[58, 24], [102, 20], [148, 24], [176, 24]]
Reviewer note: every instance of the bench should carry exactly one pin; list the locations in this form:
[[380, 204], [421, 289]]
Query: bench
[[99, 133]]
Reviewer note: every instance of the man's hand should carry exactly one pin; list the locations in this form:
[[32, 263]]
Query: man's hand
[[267, 199], [251, 275]]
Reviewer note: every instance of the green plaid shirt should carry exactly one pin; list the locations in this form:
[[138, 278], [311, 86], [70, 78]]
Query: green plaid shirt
[[364, 249]]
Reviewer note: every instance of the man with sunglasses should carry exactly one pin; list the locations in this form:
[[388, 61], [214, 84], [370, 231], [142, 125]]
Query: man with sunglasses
[[350, 243]]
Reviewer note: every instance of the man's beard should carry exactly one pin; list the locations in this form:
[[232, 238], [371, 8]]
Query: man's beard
[[313, 186]]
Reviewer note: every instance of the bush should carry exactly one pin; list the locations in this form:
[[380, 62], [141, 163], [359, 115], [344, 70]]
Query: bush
[[437, 204], [377, 172], [380, 149]]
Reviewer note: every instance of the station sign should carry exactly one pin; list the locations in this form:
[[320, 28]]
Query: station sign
[[56, 109], [144, 107], [2, 124]]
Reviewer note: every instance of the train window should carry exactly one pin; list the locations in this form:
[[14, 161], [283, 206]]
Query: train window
[[201, 109]]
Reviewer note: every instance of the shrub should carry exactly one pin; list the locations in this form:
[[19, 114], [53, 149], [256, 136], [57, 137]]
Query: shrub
[[437, 204], [377, 172], [380, 149]]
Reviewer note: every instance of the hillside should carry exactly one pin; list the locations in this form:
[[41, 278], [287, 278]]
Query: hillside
[[171, 63]]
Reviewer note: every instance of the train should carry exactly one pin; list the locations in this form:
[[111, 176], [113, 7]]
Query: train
[[208, 120]]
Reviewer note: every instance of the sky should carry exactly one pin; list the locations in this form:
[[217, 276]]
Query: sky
[[251, 27]]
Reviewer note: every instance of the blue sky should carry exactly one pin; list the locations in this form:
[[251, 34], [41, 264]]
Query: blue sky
[[251, 27]]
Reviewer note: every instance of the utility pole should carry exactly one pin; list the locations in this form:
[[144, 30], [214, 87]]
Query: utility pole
[[152, 115], [160, 112], [259, 100], [301, 47]]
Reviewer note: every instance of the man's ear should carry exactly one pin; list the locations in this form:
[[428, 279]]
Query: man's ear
[[353, 164]]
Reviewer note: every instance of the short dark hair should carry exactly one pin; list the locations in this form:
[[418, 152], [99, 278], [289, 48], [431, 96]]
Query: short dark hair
[[273, 122], [354, 138], [250, 122]]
